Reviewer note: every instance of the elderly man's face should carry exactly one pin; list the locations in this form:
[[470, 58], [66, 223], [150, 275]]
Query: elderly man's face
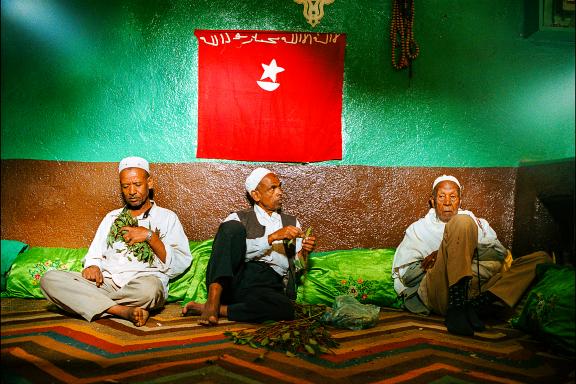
[[446, 200], [135, 184], [268, 194]]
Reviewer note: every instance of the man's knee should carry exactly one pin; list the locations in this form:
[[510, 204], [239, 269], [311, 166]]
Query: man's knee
[[232, 228], [52, 278], [458, 228], [150, 289], [536, 258], [461, 221]]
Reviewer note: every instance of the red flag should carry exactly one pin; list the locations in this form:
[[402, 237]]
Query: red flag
[[270, 96]]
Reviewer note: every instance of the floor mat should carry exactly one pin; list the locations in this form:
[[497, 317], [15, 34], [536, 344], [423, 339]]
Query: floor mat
[[42, 345]]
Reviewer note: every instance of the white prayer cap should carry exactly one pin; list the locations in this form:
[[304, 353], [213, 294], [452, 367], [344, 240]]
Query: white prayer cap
[[446, 178], [133, 162], [255, 177]]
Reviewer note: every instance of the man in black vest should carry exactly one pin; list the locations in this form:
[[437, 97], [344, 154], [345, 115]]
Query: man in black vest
[[251, 274]]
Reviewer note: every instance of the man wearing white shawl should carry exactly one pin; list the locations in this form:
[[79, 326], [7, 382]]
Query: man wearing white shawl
[[451, 263]]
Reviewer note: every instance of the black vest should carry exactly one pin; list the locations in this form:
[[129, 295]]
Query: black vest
[[253, 227], [255, 230]]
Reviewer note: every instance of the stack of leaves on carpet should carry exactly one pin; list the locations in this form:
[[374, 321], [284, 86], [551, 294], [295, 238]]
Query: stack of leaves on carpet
[[305, 334]]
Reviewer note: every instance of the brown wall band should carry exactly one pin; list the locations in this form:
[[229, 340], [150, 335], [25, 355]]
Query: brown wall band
[[60, 204]]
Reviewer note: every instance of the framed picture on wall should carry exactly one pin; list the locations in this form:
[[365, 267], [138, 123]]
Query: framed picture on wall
[[549, 19]]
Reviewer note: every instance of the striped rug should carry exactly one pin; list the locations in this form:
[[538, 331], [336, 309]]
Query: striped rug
[[42, 345]]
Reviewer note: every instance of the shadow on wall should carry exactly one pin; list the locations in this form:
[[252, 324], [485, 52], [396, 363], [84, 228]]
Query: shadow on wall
[[544, 210]]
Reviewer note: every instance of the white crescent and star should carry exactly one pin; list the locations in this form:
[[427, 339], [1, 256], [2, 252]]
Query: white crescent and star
[[270, 72]]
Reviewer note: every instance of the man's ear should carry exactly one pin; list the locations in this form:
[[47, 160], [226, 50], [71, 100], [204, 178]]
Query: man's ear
[[150, 182], [431, 201], [255, 195]]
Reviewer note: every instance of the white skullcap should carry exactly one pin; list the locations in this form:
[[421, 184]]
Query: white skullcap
[[254, 178], [133, 162], [446, 178]]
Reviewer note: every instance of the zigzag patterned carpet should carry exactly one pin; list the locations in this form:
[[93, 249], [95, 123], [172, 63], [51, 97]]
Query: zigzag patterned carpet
[[40, 345]]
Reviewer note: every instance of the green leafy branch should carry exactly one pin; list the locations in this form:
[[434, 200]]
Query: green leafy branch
[[305, 334], [143, 251], [308, 233]]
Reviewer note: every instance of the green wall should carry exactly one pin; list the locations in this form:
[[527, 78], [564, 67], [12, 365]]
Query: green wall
[[97, 80]]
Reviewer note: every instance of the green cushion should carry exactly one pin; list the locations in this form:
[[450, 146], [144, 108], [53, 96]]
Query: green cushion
[[194, 275], [29, 266], [549, 312], [10, 249], [196, 283], [27, 269], [362, 273]]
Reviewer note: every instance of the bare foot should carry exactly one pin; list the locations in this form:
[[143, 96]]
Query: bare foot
[[138, 316], [211, 309], [207, 316], [210, 313], [192, 308]]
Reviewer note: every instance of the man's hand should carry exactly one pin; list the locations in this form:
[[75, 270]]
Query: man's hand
[[429, 261], [288, 232], [93, 273], [308, 244], [134, 235]]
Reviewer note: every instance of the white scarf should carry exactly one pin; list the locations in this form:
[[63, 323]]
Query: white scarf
[[425, 235]]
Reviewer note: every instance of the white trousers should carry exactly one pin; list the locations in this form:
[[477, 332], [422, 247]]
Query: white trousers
[[75, 294]]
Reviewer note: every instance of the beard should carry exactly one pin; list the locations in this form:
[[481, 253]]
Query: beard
[[135, 206]]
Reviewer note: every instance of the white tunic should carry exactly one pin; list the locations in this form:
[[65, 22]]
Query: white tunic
[[425, 235], [115, 263]]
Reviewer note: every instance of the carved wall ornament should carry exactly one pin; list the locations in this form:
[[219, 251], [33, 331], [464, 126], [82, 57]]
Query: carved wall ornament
[[313, 10]]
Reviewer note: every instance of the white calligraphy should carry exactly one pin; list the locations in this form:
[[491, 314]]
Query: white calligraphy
[[223, 38]]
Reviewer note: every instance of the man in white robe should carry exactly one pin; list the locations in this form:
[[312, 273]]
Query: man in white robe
[[113, 281], [451, 263]]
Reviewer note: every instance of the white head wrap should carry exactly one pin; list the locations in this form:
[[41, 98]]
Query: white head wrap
[[134, 162], [255, 177], [446, 178]]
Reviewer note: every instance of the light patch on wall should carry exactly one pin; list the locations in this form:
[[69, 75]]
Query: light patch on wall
[[48, 22], [551, 100], [542, 110]]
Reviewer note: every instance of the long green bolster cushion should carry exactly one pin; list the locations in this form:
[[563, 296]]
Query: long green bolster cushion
[[10, 249], [549, 311], [24, 275], [196, 289], [192, 281], [362, 273]]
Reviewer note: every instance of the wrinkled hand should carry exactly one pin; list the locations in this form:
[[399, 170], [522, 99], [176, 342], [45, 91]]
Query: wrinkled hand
[[429, 261], [134, 235], [288, 232], [308, 244], [93, 273]]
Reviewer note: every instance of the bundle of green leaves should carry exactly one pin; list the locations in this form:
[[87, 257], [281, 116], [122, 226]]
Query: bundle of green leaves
[[305, 334], [308, 233], [142, 251]]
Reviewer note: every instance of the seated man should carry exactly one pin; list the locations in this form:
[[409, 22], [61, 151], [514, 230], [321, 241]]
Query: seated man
[[114, 280], [450, 262], [250, 275]]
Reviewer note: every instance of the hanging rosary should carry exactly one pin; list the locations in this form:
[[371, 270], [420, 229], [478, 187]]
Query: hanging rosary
[[402, 35]]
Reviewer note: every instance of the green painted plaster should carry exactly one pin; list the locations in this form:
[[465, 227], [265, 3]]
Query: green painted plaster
[[96, 80]]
